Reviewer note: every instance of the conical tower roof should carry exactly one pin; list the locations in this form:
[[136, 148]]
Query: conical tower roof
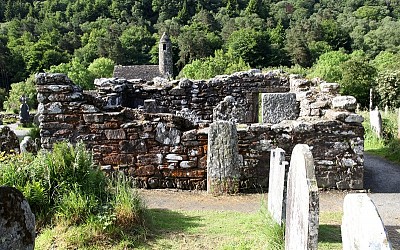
[[164, 38]]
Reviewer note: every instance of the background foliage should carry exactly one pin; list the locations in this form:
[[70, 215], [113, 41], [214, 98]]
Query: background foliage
[[319, 36]]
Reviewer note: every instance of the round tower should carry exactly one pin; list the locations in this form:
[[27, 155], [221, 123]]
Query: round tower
[[165, 63]]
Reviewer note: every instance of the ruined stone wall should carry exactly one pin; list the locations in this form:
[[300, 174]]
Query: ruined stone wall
[[197, 97], [165, 150]]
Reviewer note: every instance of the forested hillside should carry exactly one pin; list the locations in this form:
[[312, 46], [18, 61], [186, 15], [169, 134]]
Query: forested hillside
[[351, 41]]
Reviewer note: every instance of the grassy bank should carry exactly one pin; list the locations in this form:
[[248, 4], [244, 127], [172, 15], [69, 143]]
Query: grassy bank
[[388, 146]]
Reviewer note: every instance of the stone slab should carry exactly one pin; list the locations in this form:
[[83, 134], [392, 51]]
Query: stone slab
[[362, 227], [223, 171], [302, 210], [277, 107], [277, 185]]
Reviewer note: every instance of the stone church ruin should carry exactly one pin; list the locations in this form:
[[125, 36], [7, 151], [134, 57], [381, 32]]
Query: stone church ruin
[[157, 132]]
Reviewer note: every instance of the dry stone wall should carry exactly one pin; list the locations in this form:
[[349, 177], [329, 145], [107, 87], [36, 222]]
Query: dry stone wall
[[157, 132]]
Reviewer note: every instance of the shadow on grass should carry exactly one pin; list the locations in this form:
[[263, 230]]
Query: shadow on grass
[[161, 223], [329, 234], [389, 154]]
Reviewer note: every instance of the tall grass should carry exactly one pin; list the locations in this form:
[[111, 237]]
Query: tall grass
[[66, 190]]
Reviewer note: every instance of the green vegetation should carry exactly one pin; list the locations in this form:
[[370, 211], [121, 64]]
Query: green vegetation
[[351, 42], [212, 229], [65, 190], [26, 88], [389, 145]]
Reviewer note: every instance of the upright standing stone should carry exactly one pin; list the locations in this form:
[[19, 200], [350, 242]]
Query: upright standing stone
[[362, 227], [277, 107], [222, 158], [302, 210], [17, 222], [375, 120], [277, 185], [24, 116]]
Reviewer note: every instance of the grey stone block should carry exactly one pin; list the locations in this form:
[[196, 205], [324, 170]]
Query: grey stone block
[[277, 107], [277, 185], [302, 210]]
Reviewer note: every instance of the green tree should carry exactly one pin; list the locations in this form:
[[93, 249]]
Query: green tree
[[136, 41], [26, 88], [329, 66], [386, 60], [42, 55], [250, 45], [77, 72], [102, 67], [388, 88], [357, 79], [220, 63], [196, 42]]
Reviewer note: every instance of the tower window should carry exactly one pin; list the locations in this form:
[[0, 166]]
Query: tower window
[[164, 46]]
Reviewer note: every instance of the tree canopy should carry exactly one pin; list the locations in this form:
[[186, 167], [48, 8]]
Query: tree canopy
[[62, 35]]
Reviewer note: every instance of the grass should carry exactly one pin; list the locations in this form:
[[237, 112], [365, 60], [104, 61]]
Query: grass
[[389, 145], [200, 229], [207, 230]]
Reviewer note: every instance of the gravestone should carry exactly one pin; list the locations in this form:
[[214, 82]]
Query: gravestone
[[277, 107], [362, 227], [17, 222], [375, 119], [222, 158], [277, 185], [302, 209], [24, 116]]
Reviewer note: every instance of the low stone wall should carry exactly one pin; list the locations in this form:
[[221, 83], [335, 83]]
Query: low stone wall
[[165, 150]]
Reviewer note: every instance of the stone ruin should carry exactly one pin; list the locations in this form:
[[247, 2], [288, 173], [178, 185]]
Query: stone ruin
[[158, 132]]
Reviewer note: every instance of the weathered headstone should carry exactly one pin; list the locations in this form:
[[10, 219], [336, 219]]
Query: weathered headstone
[[17, 222], [362, 227], [375, 119], [222, 158], [24, 116], [277, 107], [302, 209], [277, 185]]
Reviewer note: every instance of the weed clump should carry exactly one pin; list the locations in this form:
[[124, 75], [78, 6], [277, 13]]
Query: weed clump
[[65, 189]]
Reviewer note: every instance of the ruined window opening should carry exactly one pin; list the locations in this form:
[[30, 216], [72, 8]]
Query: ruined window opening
[[164, 46]]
